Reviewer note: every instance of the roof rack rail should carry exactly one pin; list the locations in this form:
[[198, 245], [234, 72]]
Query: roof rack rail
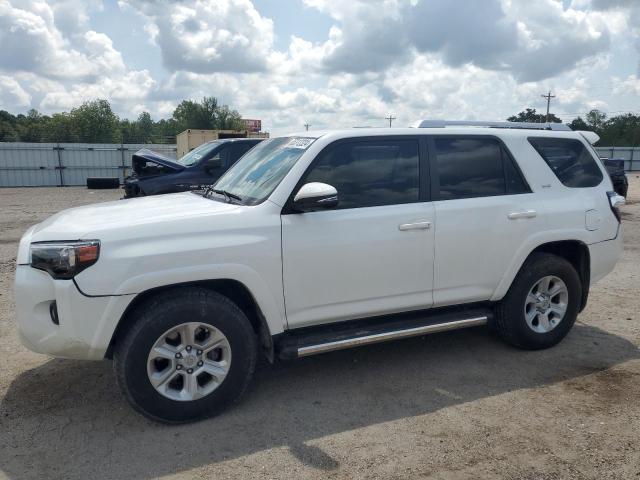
[[467, 123]]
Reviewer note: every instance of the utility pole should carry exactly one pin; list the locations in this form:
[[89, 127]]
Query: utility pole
[[307, 125], [391, 118], [548, 96]]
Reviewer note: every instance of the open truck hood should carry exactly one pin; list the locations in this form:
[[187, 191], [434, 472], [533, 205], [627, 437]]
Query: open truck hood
[[146, 162]]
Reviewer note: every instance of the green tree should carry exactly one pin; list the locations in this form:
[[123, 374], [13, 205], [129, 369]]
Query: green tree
[[579, 124], [595, 119], [531, 115], [144, 127], [95, 122], [30, 126], [227, 119], [60, 128], [190, 114], [128, 131], [206, 114], [165, 131], [8, 131], [621, 130]]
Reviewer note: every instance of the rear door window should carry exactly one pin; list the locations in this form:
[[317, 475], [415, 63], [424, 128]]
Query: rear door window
[[569, 160], [473, 166]]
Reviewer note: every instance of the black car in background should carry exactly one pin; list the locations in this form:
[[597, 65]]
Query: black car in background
[[616, 172], [154, 174]]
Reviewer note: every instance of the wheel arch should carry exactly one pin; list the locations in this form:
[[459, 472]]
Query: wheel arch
[[234, 290], [576, 252]]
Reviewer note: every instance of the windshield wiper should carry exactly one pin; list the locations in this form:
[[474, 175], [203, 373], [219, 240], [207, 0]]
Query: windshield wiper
[[227, 195]]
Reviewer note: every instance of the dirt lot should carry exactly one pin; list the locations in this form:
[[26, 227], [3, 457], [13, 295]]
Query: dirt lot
[[455, 405]]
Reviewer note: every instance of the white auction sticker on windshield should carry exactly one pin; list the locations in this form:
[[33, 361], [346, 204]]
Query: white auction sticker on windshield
[[299, 142]]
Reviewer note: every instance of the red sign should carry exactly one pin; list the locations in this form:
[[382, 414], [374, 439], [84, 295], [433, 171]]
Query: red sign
[[252, 125]]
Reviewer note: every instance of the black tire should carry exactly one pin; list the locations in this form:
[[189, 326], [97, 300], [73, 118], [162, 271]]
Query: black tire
[[154, 317], [510, 322], [102, 183]]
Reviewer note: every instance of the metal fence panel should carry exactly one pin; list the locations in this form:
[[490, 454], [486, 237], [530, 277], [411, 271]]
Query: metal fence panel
[[28, 164], [90, 160], [64, 164], [631, 156]]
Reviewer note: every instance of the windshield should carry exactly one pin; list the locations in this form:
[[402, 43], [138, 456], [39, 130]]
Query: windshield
[[197, 153], [261, 169]]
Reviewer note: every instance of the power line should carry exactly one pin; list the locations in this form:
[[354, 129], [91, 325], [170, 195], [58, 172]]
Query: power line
[[391, 118], [548, 96]]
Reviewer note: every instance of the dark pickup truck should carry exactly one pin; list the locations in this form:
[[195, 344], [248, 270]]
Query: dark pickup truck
[[154, 174], [615, 168]]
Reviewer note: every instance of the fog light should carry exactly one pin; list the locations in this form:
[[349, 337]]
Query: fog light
[[53, 311]]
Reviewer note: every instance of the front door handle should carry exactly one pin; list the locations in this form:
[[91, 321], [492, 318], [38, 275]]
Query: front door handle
[[414, 226], [525, 214]]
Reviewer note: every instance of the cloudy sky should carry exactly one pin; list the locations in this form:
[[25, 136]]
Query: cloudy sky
[[331, 63]]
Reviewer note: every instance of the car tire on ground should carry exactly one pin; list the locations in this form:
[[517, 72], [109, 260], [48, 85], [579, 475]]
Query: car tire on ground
[[188, 353], [542, 304], [102, 183]]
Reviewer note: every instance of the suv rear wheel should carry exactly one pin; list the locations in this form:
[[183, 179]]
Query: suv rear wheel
[[189, 354], [542, 303]]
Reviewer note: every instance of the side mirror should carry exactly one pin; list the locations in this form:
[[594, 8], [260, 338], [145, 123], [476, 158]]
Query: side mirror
[[213, 163], [315, 196]]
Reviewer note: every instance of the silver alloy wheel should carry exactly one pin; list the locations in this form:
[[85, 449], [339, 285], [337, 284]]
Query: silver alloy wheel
[[189, 361], [546, 304]]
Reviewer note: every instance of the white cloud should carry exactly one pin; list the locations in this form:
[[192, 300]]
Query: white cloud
[[207, 36], [32, 42], [125, 92], [467, 59], [11, 93], [628, 86], [530, 40]]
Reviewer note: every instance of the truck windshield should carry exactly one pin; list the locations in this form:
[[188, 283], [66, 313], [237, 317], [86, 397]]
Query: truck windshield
[[197, 153], [259, 171]]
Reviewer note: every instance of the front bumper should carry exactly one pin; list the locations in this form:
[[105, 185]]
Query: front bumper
[[86, 324], [131, 188]]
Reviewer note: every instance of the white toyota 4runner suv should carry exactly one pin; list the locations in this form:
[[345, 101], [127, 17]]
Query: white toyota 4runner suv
[[321, 241]]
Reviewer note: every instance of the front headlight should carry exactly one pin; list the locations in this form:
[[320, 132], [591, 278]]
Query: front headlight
[[64, 260]]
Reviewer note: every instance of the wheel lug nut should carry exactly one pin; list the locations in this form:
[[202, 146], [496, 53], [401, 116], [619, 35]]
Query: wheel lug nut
[[178, 367], [200, 363], [190, 370], [178, 355], [188, 348], [199, 352]]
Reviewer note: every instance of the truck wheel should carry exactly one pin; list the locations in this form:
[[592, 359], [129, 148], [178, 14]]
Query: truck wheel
[[542, 303], [188, 354]]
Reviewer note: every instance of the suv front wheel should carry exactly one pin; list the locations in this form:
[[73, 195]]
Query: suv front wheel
[[188, 353], [542, 303]]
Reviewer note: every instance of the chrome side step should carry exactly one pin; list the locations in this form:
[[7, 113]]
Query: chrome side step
[[390, 335]]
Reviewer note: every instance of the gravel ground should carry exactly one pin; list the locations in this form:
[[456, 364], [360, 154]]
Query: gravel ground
[[458, 405]]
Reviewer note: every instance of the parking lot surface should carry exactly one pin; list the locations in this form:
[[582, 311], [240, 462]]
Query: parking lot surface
[[458, 405]]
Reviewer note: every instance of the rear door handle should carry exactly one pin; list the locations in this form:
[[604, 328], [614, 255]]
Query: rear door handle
[[414, 226], [525, 214]]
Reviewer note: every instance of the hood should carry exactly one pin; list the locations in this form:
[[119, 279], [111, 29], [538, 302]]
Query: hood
[[148, 213], [148, 162]]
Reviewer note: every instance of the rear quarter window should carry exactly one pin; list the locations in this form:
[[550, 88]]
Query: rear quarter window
[[569, 160]]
